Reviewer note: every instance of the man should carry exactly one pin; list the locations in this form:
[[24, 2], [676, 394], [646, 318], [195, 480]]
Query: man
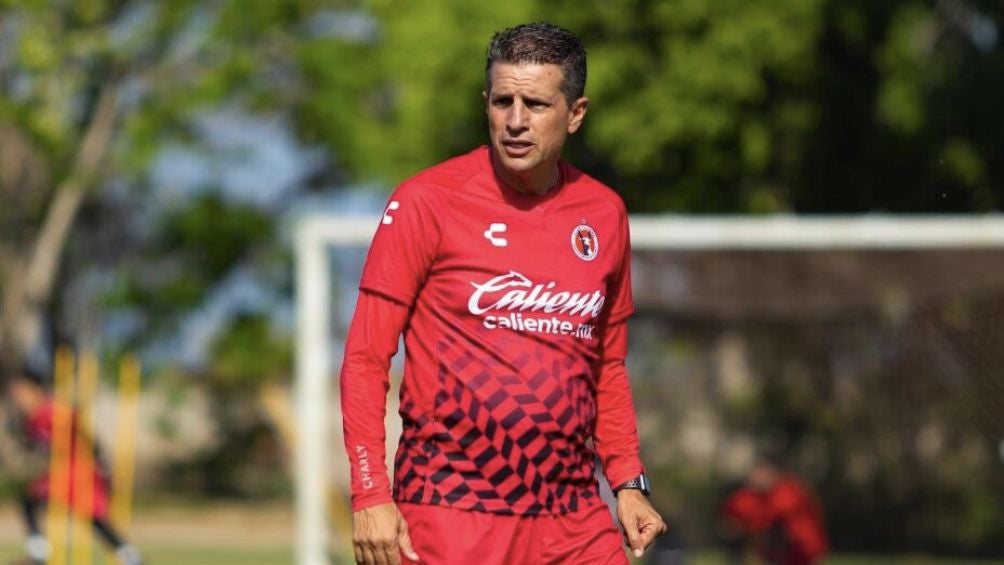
[[775, 515], [508, 271], [36, 409]]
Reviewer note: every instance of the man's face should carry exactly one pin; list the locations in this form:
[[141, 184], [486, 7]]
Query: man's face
[[22, 395], [763, 477], [528, 121]]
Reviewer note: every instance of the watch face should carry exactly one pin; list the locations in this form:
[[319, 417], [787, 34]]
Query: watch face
[[644, 483]]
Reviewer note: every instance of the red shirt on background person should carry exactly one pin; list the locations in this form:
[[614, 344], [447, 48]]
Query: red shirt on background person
[[38, 427], [37, 411], [780, 514]]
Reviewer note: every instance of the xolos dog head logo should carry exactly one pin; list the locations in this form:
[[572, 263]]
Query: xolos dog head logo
[[585, 244]]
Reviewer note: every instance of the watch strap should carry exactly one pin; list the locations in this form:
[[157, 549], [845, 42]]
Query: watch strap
[[640, 482]]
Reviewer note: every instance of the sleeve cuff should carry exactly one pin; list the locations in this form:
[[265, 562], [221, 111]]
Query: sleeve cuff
[[621, 474], [370, 499]]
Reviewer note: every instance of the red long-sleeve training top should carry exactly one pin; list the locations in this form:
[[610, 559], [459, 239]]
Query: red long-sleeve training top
[[513, 311]]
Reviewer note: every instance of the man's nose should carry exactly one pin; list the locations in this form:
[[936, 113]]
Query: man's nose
[[516, 118]]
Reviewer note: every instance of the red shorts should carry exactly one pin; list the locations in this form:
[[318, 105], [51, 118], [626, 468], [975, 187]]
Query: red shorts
[[447, 536]]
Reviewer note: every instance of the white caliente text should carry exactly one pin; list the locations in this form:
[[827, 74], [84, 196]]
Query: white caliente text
[[518, 295]]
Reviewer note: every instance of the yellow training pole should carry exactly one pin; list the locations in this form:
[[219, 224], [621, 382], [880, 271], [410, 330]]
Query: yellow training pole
[[83, 468], [59, 463], [125, 442], [279, 407]]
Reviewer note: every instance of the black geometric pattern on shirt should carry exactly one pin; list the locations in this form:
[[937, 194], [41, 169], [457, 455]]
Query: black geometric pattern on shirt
[[411, 459], [517, 411], [434, 464]]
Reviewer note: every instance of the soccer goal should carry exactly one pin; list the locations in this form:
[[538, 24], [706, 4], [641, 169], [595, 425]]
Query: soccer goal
[[904, 311]]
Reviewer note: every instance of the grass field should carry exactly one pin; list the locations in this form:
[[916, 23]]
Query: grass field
[[193, 534], [210, 555], [187, 556], [189, 534], [184, 556]]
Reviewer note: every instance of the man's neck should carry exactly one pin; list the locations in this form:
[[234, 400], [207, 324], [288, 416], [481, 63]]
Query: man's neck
[[536, 183]]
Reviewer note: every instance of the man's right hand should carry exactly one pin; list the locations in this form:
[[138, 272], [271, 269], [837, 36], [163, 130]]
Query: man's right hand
[[380, 535]]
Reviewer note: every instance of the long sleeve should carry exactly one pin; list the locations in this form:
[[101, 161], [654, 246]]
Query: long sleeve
[[616, 436], [398, 262], [372, 342]]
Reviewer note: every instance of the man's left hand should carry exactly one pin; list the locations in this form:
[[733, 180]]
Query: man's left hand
[[641, 523]]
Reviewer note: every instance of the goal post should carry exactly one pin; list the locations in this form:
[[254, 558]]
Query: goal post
[[315, 235]]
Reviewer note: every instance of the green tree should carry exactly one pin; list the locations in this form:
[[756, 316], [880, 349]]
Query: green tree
[[699, 105], [409, 94], [906, 109], [89, 92], [678, 92]]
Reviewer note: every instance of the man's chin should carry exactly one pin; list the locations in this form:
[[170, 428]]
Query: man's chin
[[516, 164]]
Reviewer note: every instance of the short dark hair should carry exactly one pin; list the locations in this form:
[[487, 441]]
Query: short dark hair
[[25, 372], [541, 43], [28, 372]]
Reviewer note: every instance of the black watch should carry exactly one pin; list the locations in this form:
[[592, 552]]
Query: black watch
[[638, 483]]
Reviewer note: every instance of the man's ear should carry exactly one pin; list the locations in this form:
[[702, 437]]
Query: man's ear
[[578, 113], [484, 96]]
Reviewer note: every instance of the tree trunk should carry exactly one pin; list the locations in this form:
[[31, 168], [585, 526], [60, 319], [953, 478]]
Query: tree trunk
[[31, 278]]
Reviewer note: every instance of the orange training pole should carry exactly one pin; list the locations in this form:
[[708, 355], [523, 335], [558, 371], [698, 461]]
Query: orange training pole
[[83, 465], [60, 453]]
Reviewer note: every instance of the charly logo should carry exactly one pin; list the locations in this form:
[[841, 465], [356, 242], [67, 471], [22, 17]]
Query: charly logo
[[585, 244], [365, 476], [492, 234], [387, 218], [513, 301]]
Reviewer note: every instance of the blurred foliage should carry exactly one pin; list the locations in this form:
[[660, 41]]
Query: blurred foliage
[[697, 105], [167, 64], [896, 423], [244, 460], [194, 248], [700, 105], [250, 349], [409, 94]]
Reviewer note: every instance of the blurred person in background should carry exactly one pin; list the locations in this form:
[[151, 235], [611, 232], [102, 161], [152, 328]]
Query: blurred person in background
[[34, 406], [775, 516], [508, 272]]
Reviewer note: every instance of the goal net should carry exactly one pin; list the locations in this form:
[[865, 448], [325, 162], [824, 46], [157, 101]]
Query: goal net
[[868, 351]]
